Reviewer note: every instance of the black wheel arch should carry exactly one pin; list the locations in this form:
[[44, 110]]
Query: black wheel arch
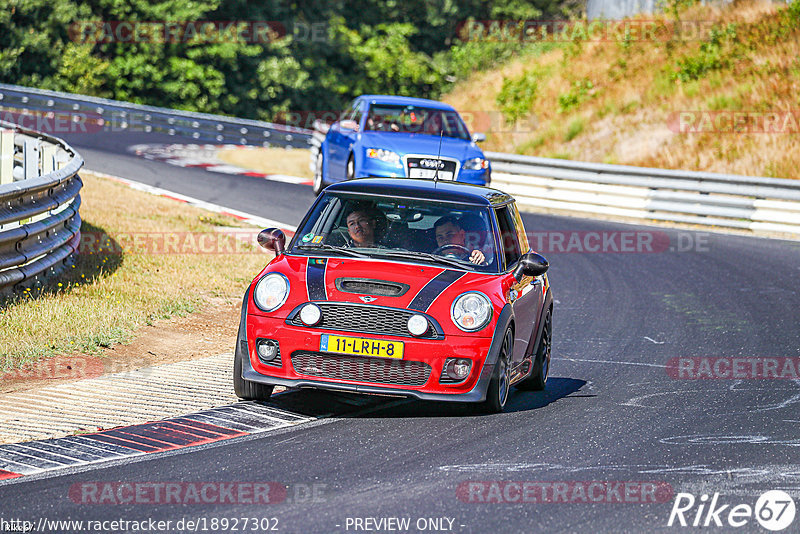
[[548, 303]]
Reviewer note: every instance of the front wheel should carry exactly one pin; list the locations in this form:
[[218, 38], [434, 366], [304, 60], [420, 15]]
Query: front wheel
[[497, 393], [245, 389], [541, 365]]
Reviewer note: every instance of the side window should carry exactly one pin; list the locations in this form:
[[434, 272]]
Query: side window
[[348, 111], [509, 240], [357, 112], [521, 235]]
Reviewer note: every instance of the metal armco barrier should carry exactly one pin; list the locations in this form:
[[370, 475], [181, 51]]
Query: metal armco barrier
[[39, 201], [637, 193], [702, 198], [100, 114]]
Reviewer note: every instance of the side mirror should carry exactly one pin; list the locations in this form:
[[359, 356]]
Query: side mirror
[[272, 239], [478, 137], [349, 125], [531, 264]]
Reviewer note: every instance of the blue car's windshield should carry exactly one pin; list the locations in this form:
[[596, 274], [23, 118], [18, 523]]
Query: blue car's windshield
[[417, 230], [414, 119]]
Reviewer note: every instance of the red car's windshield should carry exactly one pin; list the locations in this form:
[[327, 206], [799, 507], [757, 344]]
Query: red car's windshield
[[421, 230], [413, 119]]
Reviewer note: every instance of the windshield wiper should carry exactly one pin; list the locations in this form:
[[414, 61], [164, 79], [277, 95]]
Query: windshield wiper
[[432, 257], [341, 250]]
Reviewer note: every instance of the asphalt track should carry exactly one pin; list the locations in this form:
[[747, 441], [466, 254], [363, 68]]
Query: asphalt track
[[611, 411]]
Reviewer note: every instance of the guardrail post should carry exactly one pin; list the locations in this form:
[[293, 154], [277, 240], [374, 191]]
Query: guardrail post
[[30, 159], [6, 156], [48, 158]]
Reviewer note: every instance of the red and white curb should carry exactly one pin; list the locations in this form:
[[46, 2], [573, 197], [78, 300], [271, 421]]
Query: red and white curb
[[205, 157], [216, 424], [248, 218]]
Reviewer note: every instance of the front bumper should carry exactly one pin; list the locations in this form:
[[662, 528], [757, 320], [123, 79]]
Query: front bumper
[[432, 352]]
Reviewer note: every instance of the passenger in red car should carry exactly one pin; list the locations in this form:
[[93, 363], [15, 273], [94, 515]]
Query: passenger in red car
[[364, 224], [450, 235]]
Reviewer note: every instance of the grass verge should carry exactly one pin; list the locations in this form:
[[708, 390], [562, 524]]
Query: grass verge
[[623, 100], [126, 276]]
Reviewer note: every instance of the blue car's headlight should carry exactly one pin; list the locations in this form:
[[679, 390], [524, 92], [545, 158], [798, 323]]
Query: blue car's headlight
[[384, 155], [476, 164]]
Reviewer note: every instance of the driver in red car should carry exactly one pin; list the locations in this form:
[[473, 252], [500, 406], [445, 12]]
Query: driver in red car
[[450, 233]]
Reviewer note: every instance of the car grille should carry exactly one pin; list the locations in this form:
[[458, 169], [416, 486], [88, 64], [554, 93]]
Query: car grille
[[366, 319], [361, 369]]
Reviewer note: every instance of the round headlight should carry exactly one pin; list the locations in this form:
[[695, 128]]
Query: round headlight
[[310, 314], [471, 311], [417, 325], [271, 291]]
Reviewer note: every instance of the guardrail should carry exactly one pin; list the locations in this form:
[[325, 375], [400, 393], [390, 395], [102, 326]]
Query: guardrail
[[708, 199], [637, 193], [117, 116], [39, 202]]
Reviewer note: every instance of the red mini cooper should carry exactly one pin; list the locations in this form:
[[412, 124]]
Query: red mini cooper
[[415, 288]]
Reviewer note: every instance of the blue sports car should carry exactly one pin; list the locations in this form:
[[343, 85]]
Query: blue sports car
[[395, 137]]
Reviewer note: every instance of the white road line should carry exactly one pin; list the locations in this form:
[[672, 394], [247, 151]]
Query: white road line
[[255, 220]]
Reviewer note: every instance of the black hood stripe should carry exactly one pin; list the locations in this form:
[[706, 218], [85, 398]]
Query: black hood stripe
[[433, 289], [315, 278]]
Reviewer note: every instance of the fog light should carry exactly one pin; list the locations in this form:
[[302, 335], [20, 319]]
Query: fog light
[[267, 349], [417, 325], [458, 368], [310, 314]]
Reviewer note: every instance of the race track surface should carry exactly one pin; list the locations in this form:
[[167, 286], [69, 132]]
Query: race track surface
[[612, 412]]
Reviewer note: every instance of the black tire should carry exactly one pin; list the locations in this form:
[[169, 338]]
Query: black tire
[[319, 181], [499, 386], [350, 170], [541, 364], [245, 389]]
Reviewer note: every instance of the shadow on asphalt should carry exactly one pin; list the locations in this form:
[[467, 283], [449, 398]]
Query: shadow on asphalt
[[320, 403]]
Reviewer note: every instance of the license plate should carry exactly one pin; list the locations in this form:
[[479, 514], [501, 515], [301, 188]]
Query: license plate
[[359, 346], [429, 173]]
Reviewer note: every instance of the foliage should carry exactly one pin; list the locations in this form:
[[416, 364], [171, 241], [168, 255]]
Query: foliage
[[712, 55], [517, 95], [578, 92], [327, 53]]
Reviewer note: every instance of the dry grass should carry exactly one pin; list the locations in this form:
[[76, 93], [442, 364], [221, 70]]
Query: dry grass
[[291, 162], [105, 297], [634, 93]]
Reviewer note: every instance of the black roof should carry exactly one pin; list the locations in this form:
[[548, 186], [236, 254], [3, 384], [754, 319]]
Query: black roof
[[446, 191]]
